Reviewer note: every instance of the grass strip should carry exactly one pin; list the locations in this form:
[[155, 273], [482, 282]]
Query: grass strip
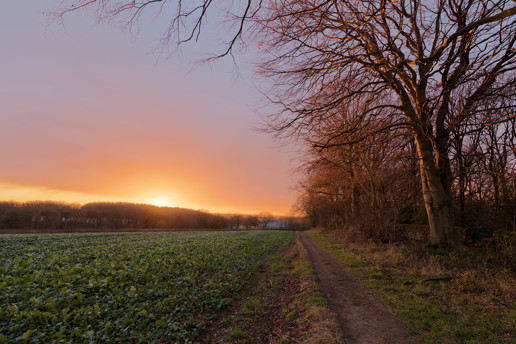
[[310, 305], [283, 306], [444, 297]]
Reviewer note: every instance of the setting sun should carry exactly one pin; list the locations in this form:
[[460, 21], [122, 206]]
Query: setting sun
[[160, 202], [164, 134]]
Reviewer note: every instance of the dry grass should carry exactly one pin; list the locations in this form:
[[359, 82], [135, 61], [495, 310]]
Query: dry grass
[[319, 323], [444, 296]]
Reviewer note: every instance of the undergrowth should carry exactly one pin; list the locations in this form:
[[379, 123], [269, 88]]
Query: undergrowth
[[443, 296]]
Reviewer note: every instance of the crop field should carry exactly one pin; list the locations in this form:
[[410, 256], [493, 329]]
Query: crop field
[[123, 287]]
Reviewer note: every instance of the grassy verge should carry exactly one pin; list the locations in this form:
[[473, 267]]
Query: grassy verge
[[284, 306], [309, 305], [444, 297]]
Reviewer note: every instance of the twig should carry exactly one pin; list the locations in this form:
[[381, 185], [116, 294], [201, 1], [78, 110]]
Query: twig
[[445, 278]]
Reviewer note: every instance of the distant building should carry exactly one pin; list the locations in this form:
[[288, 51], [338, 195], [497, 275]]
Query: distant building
[[277, 224]]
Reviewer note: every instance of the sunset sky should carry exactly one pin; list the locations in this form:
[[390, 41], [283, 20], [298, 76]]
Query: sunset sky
[[91, 113]]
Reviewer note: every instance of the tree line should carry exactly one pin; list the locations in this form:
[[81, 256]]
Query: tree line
[[390, 94], [372, 188], [112, 216]]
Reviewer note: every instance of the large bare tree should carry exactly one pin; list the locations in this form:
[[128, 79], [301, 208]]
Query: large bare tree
[[395, 63]]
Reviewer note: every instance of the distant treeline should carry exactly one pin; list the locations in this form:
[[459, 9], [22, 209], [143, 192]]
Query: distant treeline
[[51, 215]]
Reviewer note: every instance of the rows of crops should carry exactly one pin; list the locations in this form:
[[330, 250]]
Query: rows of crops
[[123, 287]]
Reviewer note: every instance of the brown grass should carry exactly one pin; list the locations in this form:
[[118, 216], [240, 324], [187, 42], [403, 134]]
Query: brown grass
[[445, 296], [319, 323]]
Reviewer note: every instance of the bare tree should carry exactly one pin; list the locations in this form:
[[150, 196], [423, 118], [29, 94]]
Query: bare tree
[[394, 63], [364, 188], [400, 61]]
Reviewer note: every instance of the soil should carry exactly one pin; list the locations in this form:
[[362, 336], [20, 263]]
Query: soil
[[268, 323], [362, 318]]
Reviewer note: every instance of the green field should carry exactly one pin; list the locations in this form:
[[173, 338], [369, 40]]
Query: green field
[[123, 287]]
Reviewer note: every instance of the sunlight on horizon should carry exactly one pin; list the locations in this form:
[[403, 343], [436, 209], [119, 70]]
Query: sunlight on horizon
[[160, 202], [10, 192], [26, 193], [77, 127]]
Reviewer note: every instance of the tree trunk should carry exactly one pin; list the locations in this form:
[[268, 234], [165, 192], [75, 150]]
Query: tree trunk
[[461, 175], [437, 195]]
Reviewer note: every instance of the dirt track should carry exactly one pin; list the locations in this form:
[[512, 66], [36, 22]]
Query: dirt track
[[361, 317]]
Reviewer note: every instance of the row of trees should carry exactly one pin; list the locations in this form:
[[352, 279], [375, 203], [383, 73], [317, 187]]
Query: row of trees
[[377, 88], [377, 83], [372, 186], [49, 215]]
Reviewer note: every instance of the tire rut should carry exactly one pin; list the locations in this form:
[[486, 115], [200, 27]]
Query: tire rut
[[362, 319]]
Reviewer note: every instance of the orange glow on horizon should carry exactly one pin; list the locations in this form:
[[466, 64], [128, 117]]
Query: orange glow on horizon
[[24, 193], [160, 202], [77, 127]]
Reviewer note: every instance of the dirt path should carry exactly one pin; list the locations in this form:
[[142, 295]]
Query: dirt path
[[362, 318]]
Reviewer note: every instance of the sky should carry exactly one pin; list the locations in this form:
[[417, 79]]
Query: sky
[[89, 112]]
